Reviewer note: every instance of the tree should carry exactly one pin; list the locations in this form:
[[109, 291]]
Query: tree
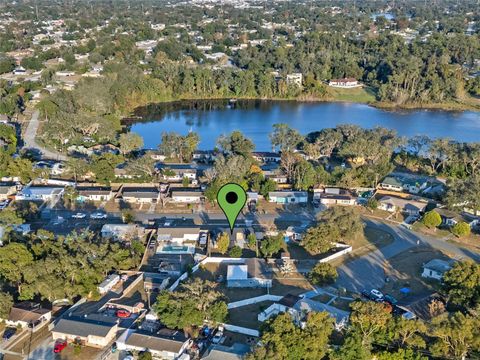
[[283, 340], [462, 283], [407, 333], [320, 238], [78, 168], [14, 261], [223, 242], [252, 241], [323, 274], [128, 216], [461, 229], [235, 252], [368, 318], [432, 219], [456, 335], [372, 203], [284, 137], [189, 306], [266, 187], [145, 355], [6, 303], [129, 142], [271, 245], [104, 167], [236, 143]]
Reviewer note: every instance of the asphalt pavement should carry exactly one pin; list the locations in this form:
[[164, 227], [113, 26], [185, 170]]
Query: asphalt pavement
[[367, 272]]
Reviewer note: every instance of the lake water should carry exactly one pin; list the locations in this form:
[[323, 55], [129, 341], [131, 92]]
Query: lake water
[[255, 120]]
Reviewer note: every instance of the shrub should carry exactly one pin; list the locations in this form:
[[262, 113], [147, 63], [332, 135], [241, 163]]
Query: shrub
[[461, 229], [431, 219]]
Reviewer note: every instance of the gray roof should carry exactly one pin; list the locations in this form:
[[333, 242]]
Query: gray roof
[[220, 352], [187, 193], [165, 340], [440, 266], [84, 326], [312, 305]]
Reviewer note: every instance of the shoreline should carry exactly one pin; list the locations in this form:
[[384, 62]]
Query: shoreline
[[451, 107]]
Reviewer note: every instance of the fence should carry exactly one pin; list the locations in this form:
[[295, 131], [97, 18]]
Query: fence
[[241, 330], [337, 254], [253, 300]]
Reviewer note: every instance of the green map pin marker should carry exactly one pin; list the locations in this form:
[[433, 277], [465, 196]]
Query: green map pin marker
[[232, 198]]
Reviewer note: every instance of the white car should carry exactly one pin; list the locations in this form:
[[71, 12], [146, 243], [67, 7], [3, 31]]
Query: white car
[[217, 337], [79, 215], [377, 294], [98, 215], [59, 220]]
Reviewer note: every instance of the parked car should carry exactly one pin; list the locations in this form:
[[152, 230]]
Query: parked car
[[390, 299], [218, 336], [114, 347], [59, 220], [98, 215], [123, 313], [79, 215], [4, 204], [377, 295], [203, 239], [8, 333], [59, 346]]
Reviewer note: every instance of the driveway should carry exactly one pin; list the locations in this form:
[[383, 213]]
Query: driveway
[[367, 271], [30, 142]]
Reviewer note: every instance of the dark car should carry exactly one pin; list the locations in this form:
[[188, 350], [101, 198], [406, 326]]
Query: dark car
[[366, 294], [8, 333], [390, 299]]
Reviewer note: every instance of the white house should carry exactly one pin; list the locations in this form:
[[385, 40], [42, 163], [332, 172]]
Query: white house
[[394, 204], [344, 83], [178, 235], [121, 232], [252, 273], [40, 193], [436, 268], [335, 196], [94, 193], [107, 284], [295, 79], [288, 197], [187, 197], [164, 344], [266, 157]]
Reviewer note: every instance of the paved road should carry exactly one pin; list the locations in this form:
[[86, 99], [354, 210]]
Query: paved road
[[30, 142], [367, 271]]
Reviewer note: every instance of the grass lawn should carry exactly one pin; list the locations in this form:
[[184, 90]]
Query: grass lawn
[[323, 298], [404, 270], [246, 316], [358, 95]]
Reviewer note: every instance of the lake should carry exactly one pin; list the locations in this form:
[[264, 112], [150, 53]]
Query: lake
[[210, 119]]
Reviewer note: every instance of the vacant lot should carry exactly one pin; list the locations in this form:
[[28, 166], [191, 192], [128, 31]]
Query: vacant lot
[[404, 270], [246, 316], [280, 285]]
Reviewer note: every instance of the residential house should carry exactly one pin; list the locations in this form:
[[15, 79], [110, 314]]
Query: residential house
[[107, 284], [178, 235], [408, 207], [28, 314], [141, 195], [253, 272], [187, 197], [273, 172], [176, 172], [335, 196], [155, 282], [220, 352], [93, 330], [164, 344], [344, 83], [266, 157], [122, 232], [391, 183], [436, 268], [299, 308], [288, 197], [295, 79], [40, 193], [94, 193], [7, 190], [204, 155]]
